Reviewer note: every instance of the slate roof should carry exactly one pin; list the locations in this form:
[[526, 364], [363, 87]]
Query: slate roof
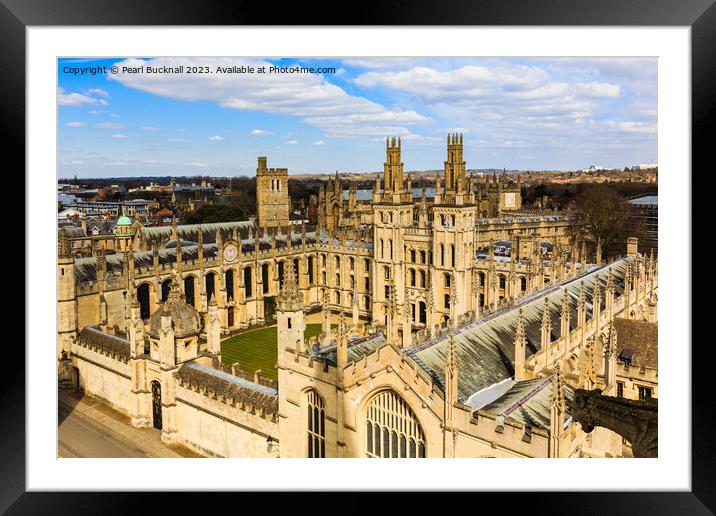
[[73, 232], [357, 348], [527, 403], [93, 338], [641, 338], [646, 200], [190, 232], [230, 387]]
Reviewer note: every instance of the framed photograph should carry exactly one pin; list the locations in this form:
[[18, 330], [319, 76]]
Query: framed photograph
[[431, 235]]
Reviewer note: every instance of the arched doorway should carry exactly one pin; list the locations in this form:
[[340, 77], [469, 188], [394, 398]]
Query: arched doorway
[[156, 405], [230, 316], [143, 299], [392, 428]]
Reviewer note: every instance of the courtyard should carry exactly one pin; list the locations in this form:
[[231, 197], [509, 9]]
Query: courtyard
[[257, 349]]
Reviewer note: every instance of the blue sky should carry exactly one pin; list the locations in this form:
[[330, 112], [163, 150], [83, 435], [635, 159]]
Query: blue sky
[[527, 114]]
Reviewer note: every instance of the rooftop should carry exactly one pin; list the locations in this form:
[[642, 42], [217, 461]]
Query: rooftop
[[645, 201]]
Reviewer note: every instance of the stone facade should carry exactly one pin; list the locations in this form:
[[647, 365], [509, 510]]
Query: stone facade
[[272, 200], [443, 348]]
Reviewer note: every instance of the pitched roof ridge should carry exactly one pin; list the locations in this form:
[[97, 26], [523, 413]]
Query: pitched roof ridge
[[509, 410]]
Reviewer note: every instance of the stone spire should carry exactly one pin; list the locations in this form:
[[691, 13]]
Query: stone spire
[[546, 318], [453, 302], [590, 374], [610, 358], [565, 315], [429, 304], [596, 298], [342, 343], [610, 280], [290, 298], [178, 256], [556, 400], [610, 348], [581, 305], [451, 375], [520, 346], [213, 328], [326, 314]]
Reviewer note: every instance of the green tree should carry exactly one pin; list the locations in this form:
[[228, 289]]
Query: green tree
[[215, 213]]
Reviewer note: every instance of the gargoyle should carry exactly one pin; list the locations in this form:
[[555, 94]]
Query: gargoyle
[[635, 421]]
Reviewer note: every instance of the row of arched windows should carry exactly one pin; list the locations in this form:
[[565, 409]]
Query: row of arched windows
[[413, 274], [441, 254], [382, 246], [414, 256]]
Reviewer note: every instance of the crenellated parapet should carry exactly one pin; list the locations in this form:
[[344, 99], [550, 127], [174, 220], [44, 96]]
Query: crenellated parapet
[[231, 390]]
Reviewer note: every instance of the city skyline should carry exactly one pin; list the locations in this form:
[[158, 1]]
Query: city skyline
[[521, 114]]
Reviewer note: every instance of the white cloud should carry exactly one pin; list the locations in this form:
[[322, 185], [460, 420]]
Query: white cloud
[[598, 89], [633, 127], [197, 164], [75, 125], [77, 99], [157, 162], [97, 92], [119, 136], [307, 96], [176, 140], [148, 128], [319, 142], [216, 138], [96, 112], [259, 132], [292, 142], [382, 62], [544, 105], [108, 125]]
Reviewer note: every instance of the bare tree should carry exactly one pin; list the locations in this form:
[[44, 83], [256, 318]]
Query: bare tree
[[605, 214]]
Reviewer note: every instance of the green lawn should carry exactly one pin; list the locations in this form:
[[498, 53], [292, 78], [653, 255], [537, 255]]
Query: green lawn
[[257, 349]]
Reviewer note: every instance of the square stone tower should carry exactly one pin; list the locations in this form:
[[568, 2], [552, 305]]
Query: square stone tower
[[272, 200]]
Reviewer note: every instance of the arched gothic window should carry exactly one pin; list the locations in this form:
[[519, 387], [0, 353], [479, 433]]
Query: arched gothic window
[[392, 429], [316, 426]]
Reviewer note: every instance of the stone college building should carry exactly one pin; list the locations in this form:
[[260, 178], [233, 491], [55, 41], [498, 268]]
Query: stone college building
[[453, 325]]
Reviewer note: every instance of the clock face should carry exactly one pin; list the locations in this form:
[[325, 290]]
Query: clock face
[[230, 252]]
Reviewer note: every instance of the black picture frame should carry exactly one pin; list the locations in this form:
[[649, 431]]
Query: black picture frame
[[700, 15]]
